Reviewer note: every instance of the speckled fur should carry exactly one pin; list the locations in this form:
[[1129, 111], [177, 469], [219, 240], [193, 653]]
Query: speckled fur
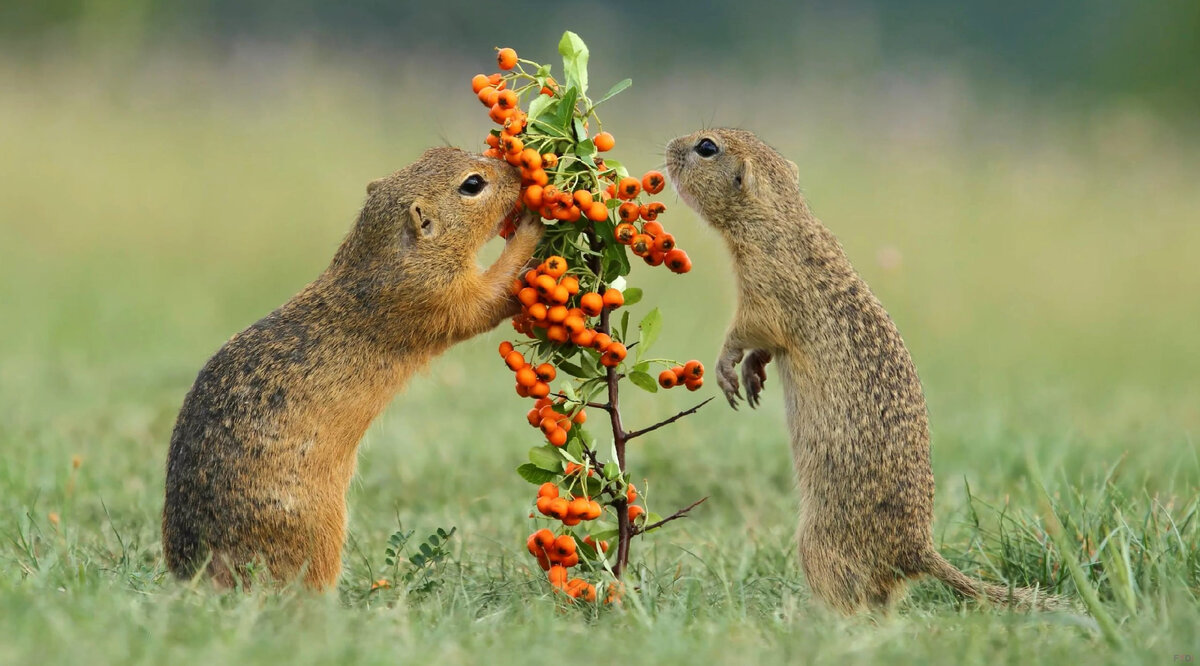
[[855, 408], [264, 446]]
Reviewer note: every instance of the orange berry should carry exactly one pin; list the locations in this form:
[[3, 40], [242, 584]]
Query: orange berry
[[571, 283], [580, 417], [625, 232], [678, 261], [507, 99], [546, 372], [478, 82], [531, 159], [694, 383], [543, 504], [653, 182], [556, 266], [574, 325], [556, 314], [579, 508], [557, 576], [539, 390], [693, 369], [667, 379], [550, 160], [664, 243], [506, 58], [635, 512], [613, 354], [583, 338], [604, 142], [642, 244], [545, 284], [591, 303], [601, 341], [487, 95], [527, 377], [522, 391], [506, 348], [499, 114], [572, 559], [539, 177], [557, 333], [594, 508], [583, 198], [511, 144], [628, 212], [530, 277], [515, 360], [528, 296], [613, 298], [560, 294], [533, 196], [492, 140], [537, 311], [548, 489], [533, 417], [653, 228], [597, 212], [628, 188], [653, 258], [515, 123]]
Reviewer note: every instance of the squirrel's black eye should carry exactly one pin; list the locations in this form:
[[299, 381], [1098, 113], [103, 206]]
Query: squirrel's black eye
[[706, 148], [473, 185]]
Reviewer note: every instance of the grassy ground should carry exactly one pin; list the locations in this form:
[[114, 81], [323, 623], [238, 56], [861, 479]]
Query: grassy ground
[[1046, 284]]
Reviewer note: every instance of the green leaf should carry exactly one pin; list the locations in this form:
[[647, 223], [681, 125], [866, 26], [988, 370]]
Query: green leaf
[[569, 391], [574, 448], [632, 295], [575, 59], [625, 323], [644, 381], [611, 470], [641, 366], [606, 535], [534, 474], [550, 128], [612, 92], [564, 116], [613, 203], [573, 370], [542, 106], [585, 148], [650, 327], [580, 131], [546, 457]]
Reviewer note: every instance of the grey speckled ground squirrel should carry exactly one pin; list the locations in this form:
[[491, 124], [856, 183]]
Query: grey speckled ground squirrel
[[265, 443], [855, 408]]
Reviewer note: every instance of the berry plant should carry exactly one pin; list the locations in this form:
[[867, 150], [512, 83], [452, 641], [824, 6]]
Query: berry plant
[[595, 215]]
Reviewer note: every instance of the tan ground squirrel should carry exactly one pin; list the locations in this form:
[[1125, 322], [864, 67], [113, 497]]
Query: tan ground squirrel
[[265, 444], [855, 408]]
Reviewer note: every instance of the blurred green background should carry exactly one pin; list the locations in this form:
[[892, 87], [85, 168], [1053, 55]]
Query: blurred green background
[[1017, 183]]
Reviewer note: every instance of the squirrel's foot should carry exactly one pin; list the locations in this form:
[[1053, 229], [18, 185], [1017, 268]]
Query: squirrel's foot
[[727, 377], [754, 374]]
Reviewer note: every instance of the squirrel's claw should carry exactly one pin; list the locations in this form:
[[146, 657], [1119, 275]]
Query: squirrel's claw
[[727, 377], [754, 375]]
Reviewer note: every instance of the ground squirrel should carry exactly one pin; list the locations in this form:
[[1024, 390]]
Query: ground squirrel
[[264, 446], [855, 408]]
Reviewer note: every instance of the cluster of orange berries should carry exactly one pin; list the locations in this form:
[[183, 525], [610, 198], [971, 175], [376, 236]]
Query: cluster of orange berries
[[545, 294], [571, 512], [690, 375], [653, 244], [556, 555], [554, 424]]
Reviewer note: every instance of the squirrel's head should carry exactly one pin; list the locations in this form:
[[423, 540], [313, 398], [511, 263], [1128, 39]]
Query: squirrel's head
[[449, 203], [730, 176]]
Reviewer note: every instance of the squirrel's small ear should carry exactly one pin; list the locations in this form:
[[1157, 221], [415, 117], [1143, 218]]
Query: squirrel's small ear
[[421, 224], [795, 171], [374, 185], [744, 178]]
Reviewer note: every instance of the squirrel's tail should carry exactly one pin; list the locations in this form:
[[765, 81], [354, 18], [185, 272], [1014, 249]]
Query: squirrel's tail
[[1019, 598]]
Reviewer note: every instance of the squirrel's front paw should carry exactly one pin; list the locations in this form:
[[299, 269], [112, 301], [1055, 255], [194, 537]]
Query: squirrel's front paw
[[727, 377], [529, 229], [754, 374]]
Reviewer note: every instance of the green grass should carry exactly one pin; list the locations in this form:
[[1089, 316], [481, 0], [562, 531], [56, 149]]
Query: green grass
[[1047, 289]]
